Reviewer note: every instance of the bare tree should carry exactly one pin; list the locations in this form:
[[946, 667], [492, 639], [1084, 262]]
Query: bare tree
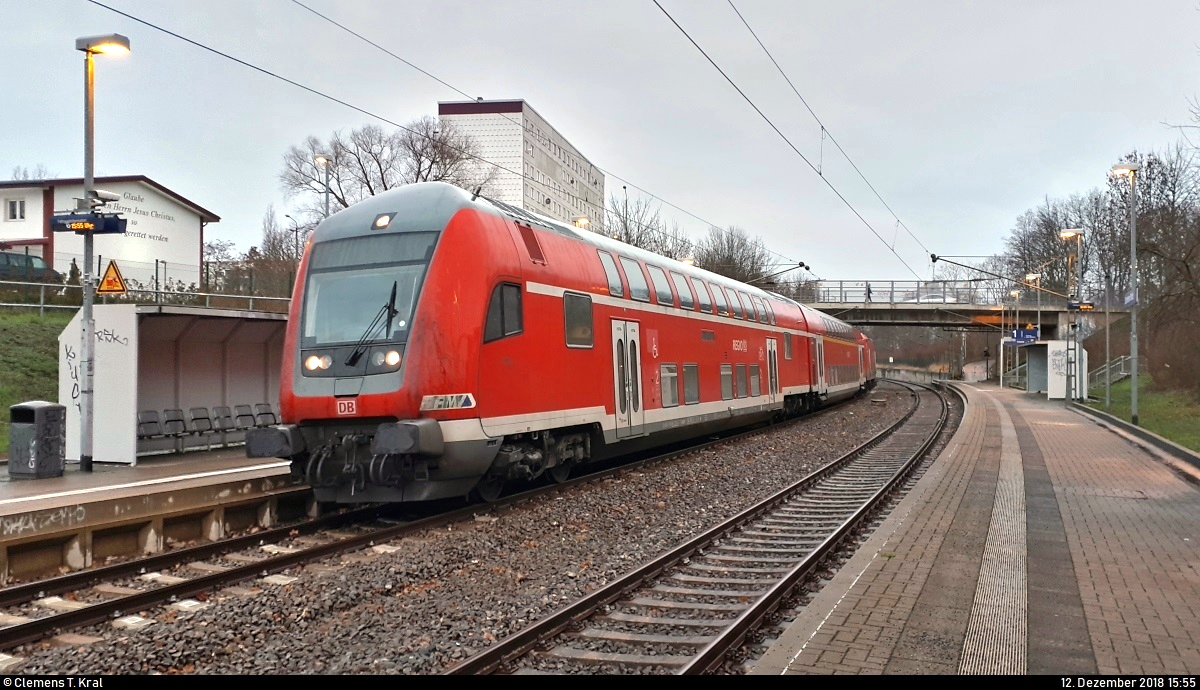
[[640, 224], [733, 253], [40, 172], [370, 160]]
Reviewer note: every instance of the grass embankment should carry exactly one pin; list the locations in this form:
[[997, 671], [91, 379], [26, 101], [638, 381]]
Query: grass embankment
[[1173, 415], [28, 360]]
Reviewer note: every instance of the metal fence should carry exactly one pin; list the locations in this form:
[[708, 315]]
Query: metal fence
[[51, 296]]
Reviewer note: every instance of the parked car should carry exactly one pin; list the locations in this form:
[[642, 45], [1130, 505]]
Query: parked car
[[19, 267], [932, 297]]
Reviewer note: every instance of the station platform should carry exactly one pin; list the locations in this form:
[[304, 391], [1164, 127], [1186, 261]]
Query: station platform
[[73, 521], [1040, 541]]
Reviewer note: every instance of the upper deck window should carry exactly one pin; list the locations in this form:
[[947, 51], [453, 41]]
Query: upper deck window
[[735, 304], [614, 277], [718, 294], [702, 295], [662, 289], [638, 288], [685, 292]]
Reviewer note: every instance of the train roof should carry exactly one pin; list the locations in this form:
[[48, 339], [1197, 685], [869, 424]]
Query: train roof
[[437, 202]]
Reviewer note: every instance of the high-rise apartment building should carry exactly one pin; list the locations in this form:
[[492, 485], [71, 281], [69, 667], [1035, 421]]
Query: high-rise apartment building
[[542, 172]]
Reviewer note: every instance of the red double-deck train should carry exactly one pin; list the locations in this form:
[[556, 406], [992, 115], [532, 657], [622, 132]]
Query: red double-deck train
[[441, 343]]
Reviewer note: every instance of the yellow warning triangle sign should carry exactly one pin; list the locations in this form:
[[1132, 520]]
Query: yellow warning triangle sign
[[112, 283]]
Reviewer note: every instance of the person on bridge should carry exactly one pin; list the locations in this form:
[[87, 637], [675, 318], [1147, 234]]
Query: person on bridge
[[868, 292]]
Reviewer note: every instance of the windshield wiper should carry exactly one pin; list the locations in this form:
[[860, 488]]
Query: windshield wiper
[[383, 318]]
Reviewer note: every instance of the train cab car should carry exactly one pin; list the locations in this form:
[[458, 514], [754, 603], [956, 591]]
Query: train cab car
[[440, 343]]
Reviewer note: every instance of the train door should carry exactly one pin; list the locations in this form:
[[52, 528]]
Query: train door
[[862, 373], [627, 378], [772, 369]]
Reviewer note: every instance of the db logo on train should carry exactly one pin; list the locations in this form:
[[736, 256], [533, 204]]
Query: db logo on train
[[347, 407]]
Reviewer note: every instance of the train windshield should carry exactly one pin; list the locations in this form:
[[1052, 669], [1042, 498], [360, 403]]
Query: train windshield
[[349, 279]]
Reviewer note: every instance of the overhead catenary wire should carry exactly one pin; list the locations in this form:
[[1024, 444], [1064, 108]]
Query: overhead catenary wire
[[825, 130], [459, 91], [383, 119], [785, 139]]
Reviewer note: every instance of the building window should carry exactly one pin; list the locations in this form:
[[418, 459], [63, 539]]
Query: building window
[[669, 374], [504, 313], [691, 384], [577, 317], [14, 209], [726, 381]]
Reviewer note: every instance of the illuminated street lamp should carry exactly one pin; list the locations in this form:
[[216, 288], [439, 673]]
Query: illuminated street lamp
[[581, 221], [323, 160], [1131, 170], [111, 44]]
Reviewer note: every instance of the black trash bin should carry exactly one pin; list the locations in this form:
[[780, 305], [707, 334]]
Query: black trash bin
[[37, 440]]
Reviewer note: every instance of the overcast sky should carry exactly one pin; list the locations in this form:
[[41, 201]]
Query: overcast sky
[[962, 115]]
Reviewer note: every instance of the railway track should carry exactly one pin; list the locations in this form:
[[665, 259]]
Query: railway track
[[182, 577], [686, 611]]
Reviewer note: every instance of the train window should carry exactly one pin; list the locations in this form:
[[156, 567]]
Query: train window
[[750, 315], [684, 291], [638, 288], [577, 319], [669, 375], [662, 289], [755, 389], [741, 381], [719, 298], [787, 345], [504, 313], [762, 310], [614, 277], [691, 384], [726, 381], [770, 311], [635, 373], [702, 295], [736, 305]]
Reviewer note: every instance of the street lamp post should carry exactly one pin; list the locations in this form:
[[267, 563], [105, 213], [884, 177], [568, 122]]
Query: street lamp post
[[1131, 170], [1107, 355], [1076, 291], [115, 44], [323, 160]]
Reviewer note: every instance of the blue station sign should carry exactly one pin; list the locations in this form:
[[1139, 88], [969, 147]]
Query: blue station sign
[[83, 223]]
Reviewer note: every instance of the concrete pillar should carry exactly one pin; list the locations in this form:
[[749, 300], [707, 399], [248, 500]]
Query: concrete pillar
[[150, 537], [77, 551], [212, 525], [268, 512]]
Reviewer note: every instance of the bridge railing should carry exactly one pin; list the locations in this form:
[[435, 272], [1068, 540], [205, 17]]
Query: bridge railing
[[969, 292]]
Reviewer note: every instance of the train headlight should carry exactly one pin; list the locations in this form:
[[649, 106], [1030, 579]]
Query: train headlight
[[315, 362], [384, 359]]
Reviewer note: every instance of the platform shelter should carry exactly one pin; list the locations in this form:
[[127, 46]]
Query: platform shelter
[[186, 365]]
